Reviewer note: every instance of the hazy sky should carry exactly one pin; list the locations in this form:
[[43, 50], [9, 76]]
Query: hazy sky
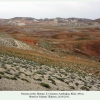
[[87, 9]]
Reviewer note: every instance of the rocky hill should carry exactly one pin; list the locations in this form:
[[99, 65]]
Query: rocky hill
[[8, 41], [20, 21], [45, 54]]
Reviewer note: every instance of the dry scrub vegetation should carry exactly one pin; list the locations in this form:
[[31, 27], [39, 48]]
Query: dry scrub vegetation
[[58, 59], [20, 74]]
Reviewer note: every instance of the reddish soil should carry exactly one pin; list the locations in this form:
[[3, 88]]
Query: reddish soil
[[85, 42], [91, 48], [28, 40]]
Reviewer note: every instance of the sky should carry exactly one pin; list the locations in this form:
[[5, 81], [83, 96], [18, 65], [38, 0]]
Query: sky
[[51, 9]]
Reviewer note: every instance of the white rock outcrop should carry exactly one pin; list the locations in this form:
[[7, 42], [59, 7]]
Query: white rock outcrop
[[10, 42]]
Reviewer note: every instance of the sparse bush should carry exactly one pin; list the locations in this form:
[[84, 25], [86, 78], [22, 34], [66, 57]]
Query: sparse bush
[[76, 84], [72, 77], [42, 76], [67, 70], [23, 73], [3, 66], [92, 82], [80, 79], [45, 85], [71, 71], [83, 76], [0, 77], [12, 78], [41, 72], [89, 86], [61, 79], [38, 79], [8, 72], [72, 87], [2, 73], [67, 82], [84, 88], [24, 79], [17, 75], [65, 74], [18, 68], [53, 82]]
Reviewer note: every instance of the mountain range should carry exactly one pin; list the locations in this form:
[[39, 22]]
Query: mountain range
[[20, 21]]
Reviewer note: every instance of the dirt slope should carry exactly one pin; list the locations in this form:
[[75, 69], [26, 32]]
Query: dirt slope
[[53, 58]]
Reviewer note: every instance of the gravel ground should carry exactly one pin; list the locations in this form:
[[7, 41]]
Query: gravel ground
[[21, 74]]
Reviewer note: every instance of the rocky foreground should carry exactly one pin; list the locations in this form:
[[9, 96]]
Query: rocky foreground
[[20, 74]]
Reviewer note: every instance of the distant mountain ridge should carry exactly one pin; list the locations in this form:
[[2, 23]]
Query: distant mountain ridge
[[20, 21]]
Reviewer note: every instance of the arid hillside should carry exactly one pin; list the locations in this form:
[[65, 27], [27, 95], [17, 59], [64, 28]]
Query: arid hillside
[[76, 41], [53, 57]]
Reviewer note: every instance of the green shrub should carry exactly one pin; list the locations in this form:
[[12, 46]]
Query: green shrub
[[42, 76], [24, 79], [92, 82], [23, 73], [65, 74], [67, 82], [84, 88], [83, 76], [76, 84], [45, 85], [41, 72], [17, 75], [12, 78], [89, 86], [2, 73], [4, 67], [53, 82], [12, 69], [8, 72], [0, 77], [61, 79], [72, 77], [38, 79], [72, 87], [18, 68]]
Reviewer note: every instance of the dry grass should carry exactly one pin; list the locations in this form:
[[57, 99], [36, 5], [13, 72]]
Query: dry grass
[[47, 58], [71, 61]]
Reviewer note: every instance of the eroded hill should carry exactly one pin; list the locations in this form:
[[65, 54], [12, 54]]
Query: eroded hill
[[53, 57]]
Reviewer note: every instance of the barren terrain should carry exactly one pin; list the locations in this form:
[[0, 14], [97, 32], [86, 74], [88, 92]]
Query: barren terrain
[[49, 58]]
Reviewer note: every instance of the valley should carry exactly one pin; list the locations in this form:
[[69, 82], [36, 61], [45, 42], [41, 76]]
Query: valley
[[50, 57]]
